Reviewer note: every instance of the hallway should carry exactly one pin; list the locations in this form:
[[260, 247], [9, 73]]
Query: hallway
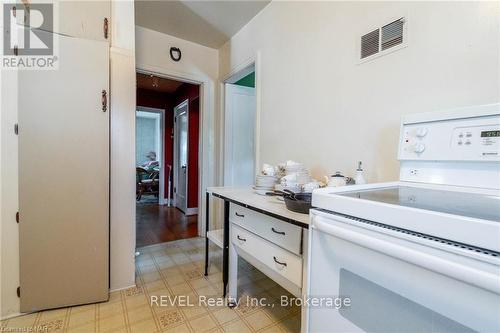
[[160, 223]]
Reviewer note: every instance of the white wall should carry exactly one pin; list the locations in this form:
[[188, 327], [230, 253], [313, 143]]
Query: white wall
[[122, 99], [198, 64], [320, 106], [152, 51]]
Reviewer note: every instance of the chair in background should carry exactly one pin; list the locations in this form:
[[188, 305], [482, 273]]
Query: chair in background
[[147, 182]]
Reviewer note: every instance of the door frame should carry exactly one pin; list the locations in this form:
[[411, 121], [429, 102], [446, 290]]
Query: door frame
[[161, 196], [176, 154], [206, 151], [253, 64]]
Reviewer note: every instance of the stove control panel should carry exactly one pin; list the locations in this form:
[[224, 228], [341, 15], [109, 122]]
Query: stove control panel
[[473, 138]]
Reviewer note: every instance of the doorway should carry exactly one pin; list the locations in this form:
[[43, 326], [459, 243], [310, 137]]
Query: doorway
[[240, 128], [158, 218]]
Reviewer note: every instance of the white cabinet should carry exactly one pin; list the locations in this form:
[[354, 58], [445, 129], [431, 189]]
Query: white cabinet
[[81, 19]]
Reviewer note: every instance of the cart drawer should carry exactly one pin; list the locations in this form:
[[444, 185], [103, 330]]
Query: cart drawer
[[281, 233]]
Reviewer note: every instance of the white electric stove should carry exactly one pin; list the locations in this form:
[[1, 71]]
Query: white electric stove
[[421, 254]]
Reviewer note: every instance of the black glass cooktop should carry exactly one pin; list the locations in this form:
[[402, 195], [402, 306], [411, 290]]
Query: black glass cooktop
[[486, 207]]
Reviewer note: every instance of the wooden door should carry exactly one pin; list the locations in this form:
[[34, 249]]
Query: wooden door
[[64, 179]]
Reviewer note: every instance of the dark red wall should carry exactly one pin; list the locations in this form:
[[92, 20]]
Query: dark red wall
[[153, 99], [191, 92]]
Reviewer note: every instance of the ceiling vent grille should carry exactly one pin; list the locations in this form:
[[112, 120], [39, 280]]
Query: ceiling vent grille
[[370, 43], [382, 39]]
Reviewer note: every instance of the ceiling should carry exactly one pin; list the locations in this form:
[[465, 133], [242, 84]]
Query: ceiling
[[150, 82], [209, 23]]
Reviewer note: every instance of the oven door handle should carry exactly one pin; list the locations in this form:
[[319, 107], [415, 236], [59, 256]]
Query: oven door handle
[[436, 264]]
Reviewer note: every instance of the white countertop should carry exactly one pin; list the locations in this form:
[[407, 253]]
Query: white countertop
[[269, 204]]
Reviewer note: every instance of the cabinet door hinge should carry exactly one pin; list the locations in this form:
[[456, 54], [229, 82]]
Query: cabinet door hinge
[[16, 129], [16, 50], [17, 217], [18, 291], [106, 28]]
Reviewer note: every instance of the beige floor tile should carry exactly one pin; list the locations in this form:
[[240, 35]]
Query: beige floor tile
[[115, 296], [186, 267], [258, 320], [193, 311], [199, 283], [53, 314], [278, 312], [140, 314], [82, 317], [22, 321], [132, 291], [110, 309], [113, 323], [155, 285], [173, 280], [136, 301], [246, 305], [159, 293], [165, 263], [237, 326], [182, 328], [290, 324], [194, 273], [207, 291], [175, 268], [84, 328], [147, 326], [170, 318], [150, 277], [181, 289], [51, 325], [202, 324], [272, 329], [225, 315]]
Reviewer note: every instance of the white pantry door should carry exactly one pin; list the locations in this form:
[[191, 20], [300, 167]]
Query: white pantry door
[[181, 142], [64, 179], [239, 142]]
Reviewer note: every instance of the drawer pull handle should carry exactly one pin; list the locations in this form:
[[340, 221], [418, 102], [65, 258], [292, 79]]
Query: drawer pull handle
[[281, 263], [241, 239], [277, 232], [239, 215]]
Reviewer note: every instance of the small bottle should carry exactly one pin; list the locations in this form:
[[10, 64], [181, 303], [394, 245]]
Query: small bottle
[[359, 179]]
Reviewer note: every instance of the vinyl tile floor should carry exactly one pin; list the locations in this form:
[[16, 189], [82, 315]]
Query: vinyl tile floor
[[173, 295]]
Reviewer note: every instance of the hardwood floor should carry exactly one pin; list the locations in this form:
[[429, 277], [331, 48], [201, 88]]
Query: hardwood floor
[[157, 224]]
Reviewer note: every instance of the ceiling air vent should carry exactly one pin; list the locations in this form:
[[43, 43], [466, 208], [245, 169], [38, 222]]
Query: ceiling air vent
[[381, 39], [370, 43], [392, 34]]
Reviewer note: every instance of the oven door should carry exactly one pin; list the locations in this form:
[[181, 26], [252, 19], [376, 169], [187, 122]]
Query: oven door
[[396, 284]]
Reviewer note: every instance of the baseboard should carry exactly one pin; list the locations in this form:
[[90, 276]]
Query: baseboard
[[192, 211], [118, 289], [12, 315]]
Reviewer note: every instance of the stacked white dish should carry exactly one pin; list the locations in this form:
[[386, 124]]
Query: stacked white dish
[[265, 183], [296, 174]]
